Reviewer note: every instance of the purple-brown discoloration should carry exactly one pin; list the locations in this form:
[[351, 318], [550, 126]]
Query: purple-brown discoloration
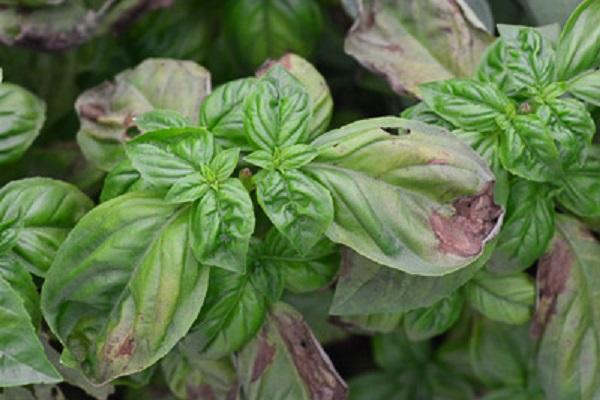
[[264, 356]]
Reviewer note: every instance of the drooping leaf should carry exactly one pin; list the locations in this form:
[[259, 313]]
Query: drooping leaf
[[413, 42], [107, 112], [425, 323], [285, 361], [124, 287], [434, 210]]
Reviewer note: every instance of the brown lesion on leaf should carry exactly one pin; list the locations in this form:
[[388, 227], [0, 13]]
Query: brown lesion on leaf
[[285, 61], [127, 347], [92, 111], [313, 365], [264, 356], [554, 270], [464, 233]]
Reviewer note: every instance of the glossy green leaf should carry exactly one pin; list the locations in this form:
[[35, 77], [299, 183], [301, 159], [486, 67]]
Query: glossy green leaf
[[156, 120], [299, 207], [423, 181], [263, 29], [285, 361], [579, 45], [581, 186], [22, 115], [221, 224], [46, 210], [586, 87], [425, 323], [21, 282], [100, 297], [106, 112], [190, 188], [507, 298], [493, 67], [567, 314], [123, 178], [413, 42], [22, 359], [527, 229]]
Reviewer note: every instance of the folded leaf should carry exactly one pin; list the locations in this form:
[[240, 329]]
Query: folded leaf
[[124, 287], [421, 202], [285, 361]]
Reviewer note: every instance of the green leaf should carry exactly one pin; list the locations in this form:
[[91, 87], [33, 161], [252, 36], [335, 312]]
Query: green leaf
[[106, 112], [527, 229], [22, 115], [567, 314], [368, 324], [581, 186], [425, 323], [493, 67], [100, 296], [586, 87], [163, 157], [579, 45], [23, 361], [299, 207], [157, 120], [46, 210], [123, 178], [261, 158], [187, 189], [365, 287], [527, 150], [221, 224], [301, 272], [507, 299], [297, 156], [423, 180], [262, 29], [21, 282], [224, 163], [233, 312], [276, 115], [467, 104], [222, 112], [413, 42], [285, 361], [313, 82], [422, 112]]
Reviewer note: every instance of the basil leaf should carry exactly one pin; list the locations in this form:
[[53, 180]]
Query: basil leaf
[[301, 272], [187, 189], [411, 43], [579, 44], [527, 150], [313, 82], [224, 163], [469, 105], [108, 110], [567, 314], [163, 157], [299, 207], [100, 296], [425, 323], [260, 29], [123, 178], [286, 361], [23, 360], [422, 112], [586, 87], [221, 224], [423, 182], [21, 282], [581, 186], [222, 112], [22, 115], [233, 312], [365, 287], [157, 120], [507, 299], [276, 115], [297, 156], [369, 324], [493, 68], [527, 229], [46, 211], [261, 158]]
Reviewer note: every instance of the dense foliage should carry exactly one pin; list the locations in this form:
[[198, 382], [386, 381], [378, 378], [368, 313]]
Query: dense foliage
[[299, 199]]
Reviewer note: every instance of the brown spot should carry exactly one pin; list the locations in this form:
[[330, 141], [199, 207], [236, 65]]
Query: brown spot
[[313, 365], [126, 348], [554, 270], [285, 61], [465, 232], [437, 161], [92, 111], [525, 108], [264, 356]]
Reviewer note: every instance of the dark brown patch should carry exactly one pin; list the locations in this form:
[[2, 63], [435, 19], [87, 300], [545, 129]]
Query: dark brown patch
[[264, 356], [92, 111], [554, 270], [313, 365], [126, 348], [464, 233]]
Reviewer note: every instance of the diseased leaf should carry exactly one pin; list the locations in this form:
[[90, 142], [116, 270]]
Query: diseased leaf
[[581, 186], [567, 314], [22, 359], [413, 42], [107, 112], [285, 361], [433, 211], [22, 115], [100, 296], [425, 323]]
